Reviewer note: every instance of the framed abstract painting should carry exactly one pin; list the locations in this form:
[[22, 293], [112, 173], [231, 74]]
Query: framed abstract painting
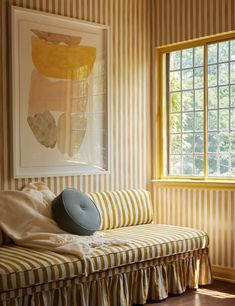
[[60, 75]]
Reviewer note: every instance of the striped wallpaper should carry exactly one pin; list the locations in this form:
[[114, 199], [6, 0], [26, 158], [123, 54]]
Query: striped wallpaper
[[179, 20], [210, 210], [135, 25], [131, 54]]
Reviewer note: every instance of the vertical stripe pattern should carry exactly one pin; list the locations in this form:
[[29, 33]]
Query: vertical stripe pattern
[[123, 208], [212, 211], [131, 60], [179, 20]]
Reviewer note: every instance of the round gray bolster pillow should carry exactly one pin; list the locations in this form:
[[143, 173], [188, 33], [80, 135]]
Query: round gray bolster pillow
[[76, 213]]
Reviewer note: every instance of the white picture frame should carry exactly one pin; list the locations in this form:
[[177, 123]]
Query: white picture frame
[[60, 95]]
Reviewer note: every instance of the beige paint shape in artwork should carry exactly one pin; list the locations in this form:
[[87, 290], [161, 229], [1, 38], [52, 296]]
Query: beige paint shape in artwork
[[71, 130], [43, 126], [57, 38], [62, 96], [62, 61]]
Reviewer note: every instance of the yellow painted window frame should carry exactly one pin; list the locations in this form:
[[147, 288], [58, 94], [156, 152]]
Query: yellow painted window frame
[[160, 111]]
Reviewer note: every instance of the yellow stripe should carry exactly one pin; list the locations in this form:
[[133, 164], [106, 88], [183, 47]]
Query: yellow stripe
[[211, 210], [146, 242], [123, 208]]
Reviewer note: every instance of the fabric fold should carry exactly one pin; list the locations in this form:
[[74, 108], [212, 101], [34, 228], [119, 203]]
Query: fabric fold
[[25, 217]]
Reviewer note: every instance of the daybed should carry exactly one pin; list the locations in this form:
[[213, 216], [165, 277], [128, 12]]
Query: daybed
[[158, 260]]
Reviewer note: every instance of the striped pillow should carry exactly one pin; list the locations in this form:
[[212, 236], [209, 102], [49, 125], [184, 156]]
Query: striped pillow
[[123, 208]]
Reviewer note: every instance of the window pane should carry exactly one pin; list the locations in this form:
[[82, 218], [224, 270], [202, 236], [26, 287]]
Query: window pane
[[224, 142], [187, 79], [232, 50], [175, 144], [223, 51], [223, 74], [212, 165], [212, 97], [212, 75], [198, 56], [198, 78], [233, 165], [187, 145], [199, 101], [175, 165], [175, 81], [187, 100], [232, 141], [212, 53], [224, 120], [232, 72], [185, 112], [175, 60], [212, 120], [232, 95], [187, 165], [224, 165], [175, 102], [223, 96], [199, 165], [199, 143], [221, 110], [232, 118], [175, 123], [188, 122], [199, 121], [212, 142], [187, 58]]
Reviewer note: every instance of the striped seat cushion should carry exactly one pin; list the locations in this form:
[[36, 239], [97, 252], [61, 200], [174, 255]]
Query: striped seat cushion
[[22, 267], [123, 208]]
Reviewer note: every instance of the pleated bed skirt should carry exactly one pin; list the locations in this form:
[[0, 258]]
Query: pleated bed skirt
[[138, 283]]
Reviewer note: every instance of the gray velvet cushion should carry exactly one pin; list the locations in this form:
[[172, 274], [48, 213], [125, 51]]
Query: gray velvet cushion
[[76, 213]]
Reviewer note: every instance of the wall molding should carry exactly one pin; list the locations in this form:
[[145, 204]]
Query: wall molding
[[194, 183], [224, 273]]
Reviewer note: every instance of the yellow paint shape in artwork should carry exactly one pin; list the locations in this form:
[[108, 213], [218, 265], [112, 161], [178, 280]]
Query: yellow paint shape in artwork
[[62, 61], [62, 96], [71, 130]]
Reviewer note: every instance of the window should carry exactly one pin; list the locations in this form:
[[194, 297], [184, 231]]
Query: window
[[198, 94]]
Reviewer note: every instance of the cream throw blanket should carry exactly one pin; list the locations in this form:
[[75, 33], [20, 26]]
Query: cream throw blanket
[[25, 216]]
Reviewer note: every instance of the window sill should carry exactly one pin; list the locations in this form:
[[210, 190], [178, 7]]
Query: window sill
[[192, 183]]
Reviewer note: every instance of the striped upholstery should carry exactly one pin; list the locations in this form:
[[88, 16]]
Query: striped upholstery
[[122, 286], [123, 208], [21, 267], [117, 208]]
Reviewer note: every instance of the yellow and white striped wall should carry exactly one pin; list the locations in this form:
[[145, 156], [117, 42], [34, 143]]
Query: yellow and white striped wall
[[131, 47], [209, 208], [136, 27]]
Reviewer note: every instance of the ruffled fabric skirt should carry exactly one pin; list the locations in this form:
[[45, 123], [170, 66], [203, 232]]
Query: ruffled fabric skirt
[[151, 280]]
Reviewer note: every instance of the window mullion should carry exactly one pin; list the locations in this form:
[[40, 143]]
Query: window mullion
[[205, 110]]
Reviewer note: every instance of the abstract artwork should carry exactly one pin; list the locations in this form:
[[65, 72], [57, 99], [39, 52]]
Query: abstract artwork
[[59, 95]]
